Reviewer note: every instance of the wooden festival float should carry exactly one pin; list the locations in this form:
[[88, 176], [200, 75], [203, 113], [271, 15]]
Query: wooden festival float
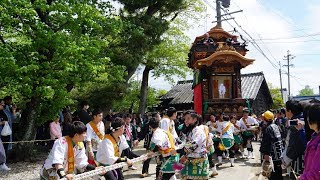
[[217, 59]]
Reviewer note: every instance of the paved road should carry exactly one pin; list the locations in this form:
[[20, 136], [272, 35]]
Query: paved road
[[243, 169]]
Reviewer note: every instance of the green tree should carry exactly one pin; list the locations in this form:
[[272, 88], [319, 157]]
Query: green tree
[[48, 48], [168, 59], [276, 97], [131, 98], [307, 91], [143, 24]]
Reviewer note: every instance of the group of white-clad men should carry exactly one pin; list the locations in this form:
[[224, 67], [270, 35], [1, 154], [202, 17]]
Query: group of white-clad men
[[190, 154]]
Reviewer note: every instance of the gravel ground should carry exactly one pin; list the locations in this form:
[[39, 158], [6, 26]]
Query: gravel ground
[[22, 170], [31, 170], [244, 169]]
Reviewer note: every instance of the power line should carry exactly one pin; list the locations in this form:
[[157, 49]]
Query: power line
[[279, 42], [256, 33], [212, 7], [285, 19], [307, 54], [255, 45], [296, 37]]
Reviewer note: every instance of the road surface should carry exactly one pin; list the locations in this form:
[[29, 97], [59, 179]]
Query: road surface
[[243, 169]]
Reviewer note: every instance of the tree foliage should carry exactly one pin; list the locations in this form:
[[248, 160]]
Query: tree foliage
[[168, 59], [49, 47], [131, 98], [276, 97], [307, 91], [143, 24], [55, 52]]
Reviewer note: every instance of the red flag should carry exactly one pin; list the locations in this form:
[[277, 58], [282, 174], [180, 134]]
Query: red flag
[[197, 98]]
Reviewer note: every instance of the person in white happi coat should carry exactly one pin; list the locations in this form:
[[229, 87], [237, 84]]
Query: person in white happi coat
[[95, 135], [67, 155], [110, 149], [163, 142], [167, 122], [227, 139], [248, 125], [237, 135], [218, 130], [195, 160]]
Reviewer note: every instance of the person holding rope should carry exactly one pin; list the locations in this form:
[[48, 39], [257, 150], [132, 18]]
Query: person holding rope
[[271, 148], [237, 136], [67, 155], [146, 134], [210, 150], [196, 165], [95, 134], [162, 141], [248, 125], [110, 149], [227, 140]]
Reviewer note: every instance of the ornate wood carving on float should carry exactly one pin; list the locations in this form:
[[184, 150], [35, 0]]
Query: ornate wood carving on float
[[217, 58]]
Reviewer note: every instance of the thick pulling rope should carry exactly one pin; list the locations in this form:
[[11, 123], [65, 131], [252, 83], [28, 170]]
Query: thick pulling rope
[[32, 141], [105, 169]]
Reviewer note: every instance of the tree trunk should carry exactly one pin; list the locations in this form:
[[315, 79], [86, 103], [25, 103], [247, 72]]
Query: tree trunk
[[25, 151], [144, 90], [130, 71]]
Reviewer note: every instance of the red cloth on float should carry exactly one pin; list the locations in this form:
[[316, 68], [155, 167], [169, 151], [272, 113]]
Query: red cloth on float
[[197, 98]]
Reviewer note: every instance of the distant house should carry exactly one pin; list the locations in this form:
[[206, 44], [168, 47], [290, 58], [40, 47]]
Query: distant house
[[305, 98], [253, 87]]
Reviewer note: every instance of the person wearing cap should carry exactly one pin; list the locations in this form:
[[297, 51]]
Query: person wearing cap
[[110, 149], [271, 148], [246, 125]]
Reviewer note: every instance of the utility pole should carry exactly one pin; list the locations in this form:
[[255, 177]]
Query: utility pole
[[288, 57], [218, 8], [280, 73], [224, 4]]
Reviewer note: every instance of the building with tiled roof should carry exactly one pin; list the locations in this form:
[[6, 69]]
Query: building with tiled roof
[[253, 88]]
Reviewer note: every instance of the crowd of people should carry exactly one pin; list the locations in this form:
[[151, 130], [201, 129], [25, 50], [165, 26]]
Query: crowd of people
[[181, 142]]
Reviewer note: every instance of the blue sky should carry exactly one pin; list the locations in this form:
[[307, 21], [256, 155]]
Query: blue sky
[[288, 23]]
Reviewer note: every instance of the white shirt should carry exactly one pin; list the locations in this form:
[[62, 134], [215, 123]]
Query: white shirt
[[93, 137], [161, 139], [236, 130], [59, 155], [250, 121], [219, 126], [229, 132], [106, 154], [210, 125], [166, 124], [197, 136]]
